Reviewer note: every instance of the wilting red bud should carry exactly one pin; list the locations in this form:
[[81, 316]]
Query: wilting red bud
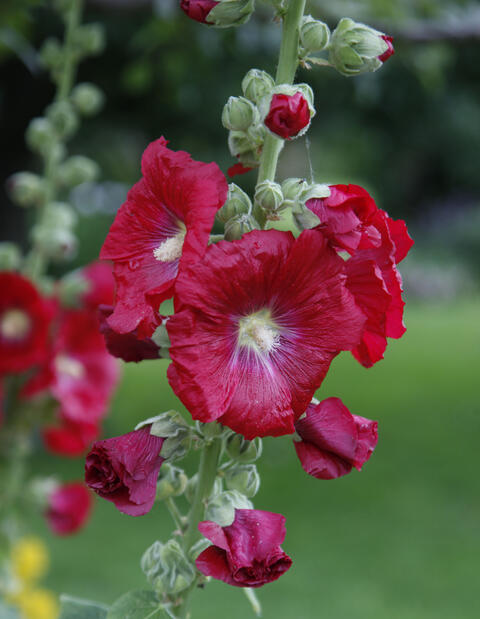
[[390, 50], [198, 9], [68, 508], [288, 115]]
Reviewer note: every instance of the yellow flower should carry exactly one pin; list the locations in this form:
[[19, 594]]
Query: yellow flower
[[29, 559], [37, 604]]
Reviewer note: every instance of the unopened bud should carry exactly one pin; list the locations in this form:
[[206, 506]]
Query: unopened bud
[[63, 118], [237, 203], [167, 568], [221, 509], [244, 478], [72, 287], [87, 98], [210, 430], [239, 113], [77, 170], [293, 188], [231, 13], [269, 196], [40, 135], [314, 34], [10, 257], [241, 450], [26, 189], [239, 225], [51, 54], [89, 39], [256, 84], [57, 243], [171, 482]]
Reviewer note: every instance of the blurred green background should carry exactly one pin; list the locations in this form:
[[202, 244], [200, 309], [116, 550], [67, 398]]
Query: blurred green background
[[400, 540]]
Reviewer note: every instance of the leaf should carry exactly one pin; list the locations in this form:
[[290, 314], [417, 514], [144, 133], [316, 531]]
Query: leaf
[[75, 608], [136, 605]]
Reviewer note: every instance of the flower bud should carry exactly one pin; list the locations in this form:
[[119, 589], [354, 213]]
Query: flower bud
[[269, 196], [172, 481], [198, 9], [241, 450], [314, 34], [239, 225], [87, 98], [77, 170], [192, 486], [257, 84], [59, 215], [51, 54], [89, 39], [10, 257], [288, 110], [71, 288], [210, 430], [26, 189], [221, 509], [40, 135], [293, 188], [167, 568], [63, 118], [239, 113], [244, 478], [356, 48], [57, 243], [231, 13], [238, 203]]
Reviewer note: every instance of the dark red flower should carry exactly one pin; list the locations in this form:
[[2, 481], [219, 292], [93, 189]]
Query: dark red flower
[[101, 285], [165, 222], [70, 438], [198, 9], [333, 440], [247, 553], [257, 324], [68, 508], [124, 470], [237, 169], [25, 319], [288, 115], [126, 346], [389, 51]]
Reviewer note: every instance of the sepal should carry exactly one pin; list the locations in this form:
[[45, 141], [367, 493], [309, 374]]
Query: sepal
[[174, 429], [244, 478], [243, 451], [231, 13], [167, 568], [172, 481], [221, 508]]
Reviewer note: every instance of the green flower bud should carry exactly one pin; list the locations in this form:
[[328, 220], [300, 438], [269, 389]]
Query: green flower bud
[[87, 98], [244, 478], [172, 481], [40, 135], [89, 39], [256, 84], [77, 170], [293, 188], [239, 113], [244, 451], [26, 189], [51, 54], [231, 13], [221, 508], [10, 257], [237, 226], [356, 48], [192, 486], [269, 196], [56, 243], [238, 203], [71, 287], [314, 34], [167, 568], [59, 215], [63, 118], [210, 430]]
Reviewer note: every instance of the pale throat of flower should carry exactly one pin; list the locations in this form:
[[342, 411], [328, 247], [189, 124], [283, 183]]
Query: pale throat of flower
[[171, 249], [15, 324], [69, 366], [259, 332]]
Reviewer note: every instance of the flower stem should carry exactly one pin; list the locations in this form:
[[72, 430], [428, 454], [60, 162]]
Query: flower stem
[[177, 517]]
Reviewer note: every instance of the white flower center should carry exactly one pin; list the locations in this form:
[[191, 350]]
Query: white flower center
[[259, 332], [171, 249], [15, 324], [69, 366]]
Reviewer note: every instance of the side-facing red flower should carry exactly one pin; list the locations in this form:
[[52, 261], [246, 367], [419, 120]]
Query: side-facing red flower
[[124, 470], [333, 440], [165, 222], [70, 438], [246, 553], [390, 49], [25, 318], [68, 508], [198, 9], [257, 324], [288, 115]]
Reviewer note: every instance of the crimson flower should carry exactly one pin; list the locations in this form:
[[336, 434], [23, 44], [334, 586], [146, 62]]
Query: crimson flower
[[100, 285], [198, 9], [70, 438], [288, 115], [68, 508], [25, 318], [333, 440], [165, 222], [257, 323], [237, 169], [124, 470], [389, 51], [246, 553]]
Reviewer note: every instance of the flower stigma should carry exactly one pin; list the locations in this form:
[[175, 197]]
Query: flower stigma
[[69, 366], [259, 332], [171, 249], [15, 324]]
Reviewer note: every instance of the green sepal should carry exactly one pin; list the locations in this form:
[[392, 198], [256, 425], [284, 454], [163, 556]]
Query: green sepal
[[174, 429]]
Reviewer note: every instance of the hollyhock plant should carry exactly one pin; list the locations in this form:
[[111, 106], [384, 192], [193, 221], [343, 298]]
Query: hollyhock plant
[[246, 553], [198, 9], [333, 441], [165, 222], [124, 470], [257, 323], [69, 507], [288, 115]]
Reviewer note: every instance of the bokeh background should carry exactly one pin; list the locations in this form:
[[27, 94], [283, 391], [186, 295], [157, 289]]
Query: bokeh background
[[401, 539]]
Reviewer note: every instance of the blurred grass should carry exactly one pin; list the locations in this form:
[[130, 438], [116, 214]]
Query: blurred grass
[[400, 540]]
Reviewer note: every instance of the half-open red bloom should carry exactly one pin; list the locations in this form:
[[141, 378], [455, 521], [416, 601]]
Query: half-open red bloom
[[25, 319], [389, 51], [198, 9], [165, 222], [125, 469], [333, 440], [288, 115], [68, 508], [247, 553], [257, 324]]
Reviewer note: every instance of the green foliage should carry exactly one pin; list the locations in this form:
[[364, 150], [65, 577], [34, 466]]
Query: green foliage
[[136, 605], [74, 608]]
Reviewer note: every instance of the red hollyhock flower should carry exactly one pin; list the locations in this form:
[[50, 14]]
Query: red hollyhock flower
[[125, 469], [247, 553], [237, 169], [333, 440], [126, 346], [288, 115], [389, 51], [165, 222], [257, 324], [101, 285], [68, 508], [24, 324], [70, 438], [198, 9]]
